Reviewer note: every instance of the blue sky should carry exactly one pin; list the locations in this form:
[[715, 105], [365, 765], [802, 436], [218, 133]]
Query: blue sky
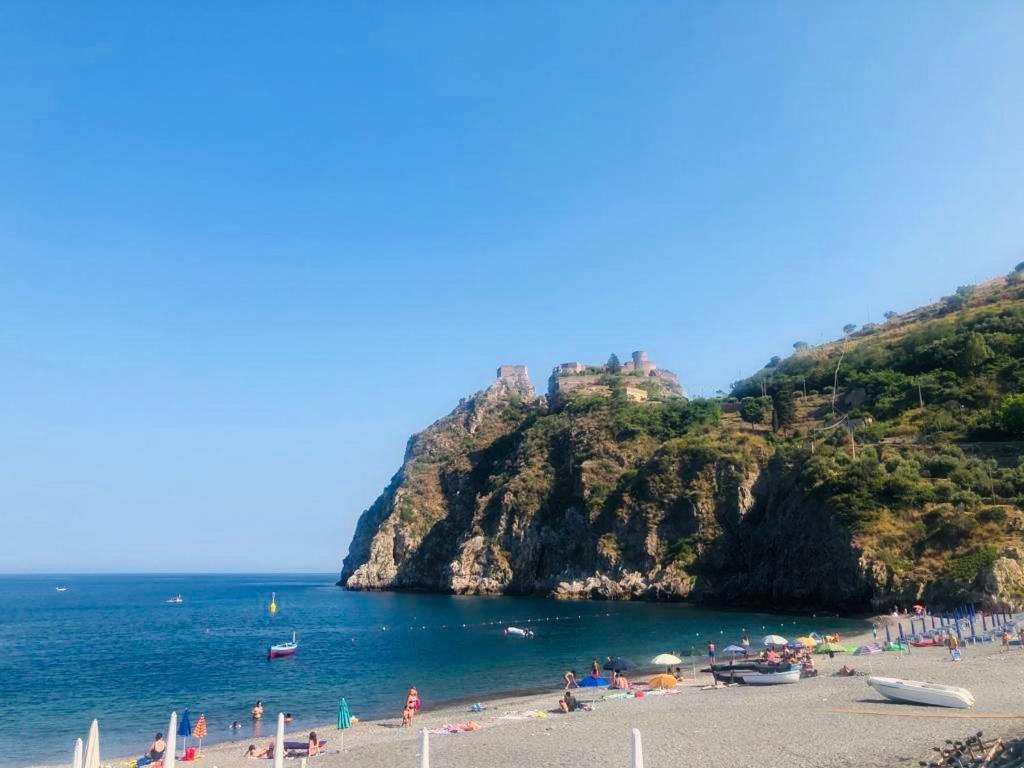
[[247, 248]]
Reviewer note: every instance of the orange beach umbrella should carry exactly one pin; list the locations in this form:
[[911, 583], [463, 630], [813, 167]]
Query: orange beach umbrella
[[200, 730], [662, 681]]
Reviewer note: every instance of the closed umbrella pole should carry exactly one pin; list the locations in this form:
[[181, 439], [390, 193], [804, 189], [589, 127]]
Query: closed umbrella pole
[[425, 749], [76, 760], [638, 750], [172, 738], [279, 743], [92, 747]]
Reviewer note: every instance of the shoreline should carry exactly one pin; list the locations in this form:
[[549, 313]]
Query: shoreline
[[822, 721]]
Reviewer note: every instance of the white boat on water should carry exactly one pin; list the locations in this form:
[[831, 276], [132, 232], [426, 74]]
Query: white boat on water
[[517, 632], [61, 589], [917, 692], [176, 600], [771, 678]]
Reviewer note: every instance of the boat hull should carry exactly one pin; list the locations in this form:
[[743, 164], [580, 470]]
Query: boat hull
[[917, 692], [772, 678], [278, 653]]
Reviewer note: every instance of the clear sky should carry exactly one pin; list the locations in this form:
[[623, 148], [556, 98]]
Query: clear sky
[[247, 248]]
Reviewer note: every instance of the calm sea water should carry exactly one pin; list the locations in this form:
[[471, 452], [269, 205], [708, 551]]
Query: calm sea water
[[110, 647]]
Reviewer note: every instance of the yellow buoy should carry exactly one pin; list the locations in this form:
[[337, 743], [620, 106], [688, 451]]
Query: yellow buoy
[[273, 603]]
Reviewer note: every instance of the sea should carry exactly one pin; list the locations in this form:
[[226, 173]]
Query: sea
[[111, 647]]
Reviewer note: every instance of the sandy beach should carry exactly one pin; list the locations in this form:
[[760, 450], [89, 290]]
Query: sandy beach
[[822, 721]]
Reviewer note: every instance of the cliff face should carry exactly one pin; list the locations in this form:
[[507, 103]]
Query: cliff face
[[905, 485], [602, 498]]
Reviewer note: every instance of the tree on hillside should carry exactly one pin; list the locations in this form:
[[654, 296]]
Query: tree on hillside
[[849, 328], [783, 407], [754, 410], [1019, 267], [890, 314], [614, 366], [960, 297], [773, 362], [1011, 415], [976, 352], [800, 346], [1017, 274]]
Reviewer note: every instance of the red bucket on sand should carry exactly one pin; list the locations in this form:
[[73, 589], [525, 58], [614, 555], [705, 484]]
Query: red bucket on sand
[[190, 754]]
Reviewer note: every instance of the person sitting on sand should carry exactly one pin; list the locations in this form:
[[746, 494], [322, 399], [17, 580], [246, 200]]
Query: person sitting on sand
[[567, 703], [678, 674], [570, 679], [156, 750], [314, 744], [620, 682], [266, 753], [257, 711], [847, 671]]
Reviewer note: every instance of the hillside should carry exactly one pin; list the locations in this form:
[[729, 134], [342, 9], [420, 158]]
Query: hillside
[[897, 479]]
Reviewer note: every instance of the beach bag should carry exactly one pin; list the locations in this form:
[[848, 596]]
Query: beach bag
[[955, 654]]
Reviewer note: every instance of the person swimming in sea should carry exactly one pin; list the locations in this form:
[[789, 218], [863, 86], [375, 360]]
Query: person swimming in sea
[[257, 711]]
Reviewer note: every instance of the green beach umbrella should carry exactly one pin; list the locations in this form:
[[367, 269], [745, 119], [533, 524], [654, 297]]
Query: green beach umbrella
[[344, 718], [830, 648]]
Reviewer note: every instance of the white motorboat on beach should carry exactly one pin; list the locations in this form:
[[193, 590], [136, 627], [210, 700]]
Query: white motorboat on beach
[[771, 678], [917, 692]]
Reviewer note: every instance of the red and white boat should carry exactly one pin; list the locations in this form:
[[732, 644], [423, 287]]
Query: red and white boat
[[283, 649]]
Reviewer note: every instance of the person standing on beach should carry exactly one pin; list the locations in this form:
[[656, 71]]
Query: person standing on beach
[[1006, 641], [1020, 637], [711, 652], [954, 646]]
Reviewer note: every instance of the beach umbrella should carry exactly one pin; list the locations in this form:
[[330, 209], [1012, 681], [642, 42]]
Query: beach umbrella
[[734, 650], [184, 730], [830, 648], [865, 649], [618, 665], [807, 642], [172, 736], [344, 718], [279, 743], [425, 749], [200, 730], [774, 640], [638, 750], [92, 747], [662, 681], [666, 660], [76, 760], [594, 682]]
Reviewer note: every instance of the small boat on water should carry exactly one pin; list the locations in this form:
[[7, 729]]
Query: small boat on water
[[917, 692], [176, 600], [62, 589], [283, 649], [771, 678], [517, 632]]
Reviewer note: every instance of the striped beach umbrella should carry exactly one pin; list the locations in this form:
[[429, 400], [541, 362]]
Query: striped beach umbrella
[[200, 730]]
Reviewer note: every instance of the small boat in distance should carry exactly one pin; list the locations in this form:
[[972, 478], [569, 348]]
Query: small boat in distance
[[62, 589], [917, 692], [517, 632], [176, 600], [283, 649]]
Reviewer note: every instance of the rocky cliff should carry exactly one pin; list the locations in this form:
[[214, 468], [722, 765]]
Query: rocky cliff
[[887, 490]]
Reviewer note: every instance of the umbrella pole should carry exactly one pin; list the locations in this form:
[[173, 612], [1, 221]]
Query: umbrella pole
[[638, 750]]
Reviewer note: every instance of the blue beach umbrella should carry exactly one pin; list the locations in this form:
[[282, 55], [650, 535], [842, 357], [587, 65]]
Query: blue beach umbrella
[[593, 682], [184, 729], [618, 665], [344, 718]]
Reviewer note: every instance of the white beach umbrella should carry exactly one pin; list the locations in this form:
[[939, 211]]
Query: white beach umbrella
[[172, 738], [638, 750], [425, 749], [92, 748], [775, 640], [666, 660], [76, 761], [279, 744]]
